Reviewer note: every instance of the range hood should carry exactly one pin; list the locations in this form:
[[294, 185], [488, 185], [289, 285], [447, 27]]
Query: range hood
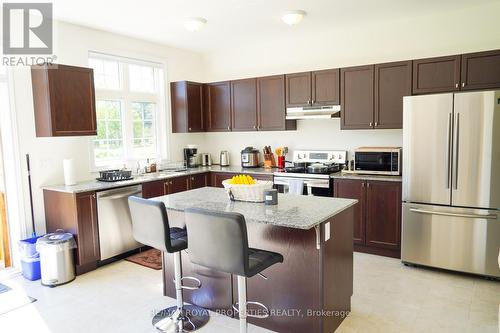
[[313, 112]]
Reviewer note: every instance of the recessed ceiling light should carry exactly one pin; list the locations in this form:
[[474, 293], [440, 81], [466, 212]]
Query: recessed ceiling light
[[194, 23], [293, 17]]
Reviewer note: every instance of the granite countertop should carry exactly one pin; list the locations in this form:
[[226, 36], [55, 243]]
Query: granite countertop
[[95, 185], [348, 175], [292, 211]]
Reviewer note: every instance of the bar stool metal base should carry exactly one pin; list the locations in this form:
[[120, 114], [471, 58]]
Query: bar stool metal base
[[168, 320]]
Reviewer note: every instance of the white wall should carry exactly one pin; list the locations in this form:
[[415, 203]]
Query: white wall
[[466, 30], [72, 44]]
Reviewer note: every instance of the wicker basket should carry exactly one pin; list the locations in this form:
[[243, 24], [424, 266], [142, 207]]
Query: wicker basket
[[251, 193]]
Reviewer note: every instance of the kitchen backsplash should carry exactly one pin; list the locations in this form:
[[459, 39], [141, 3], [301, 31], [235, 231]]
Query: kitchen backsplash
[[310, 134]]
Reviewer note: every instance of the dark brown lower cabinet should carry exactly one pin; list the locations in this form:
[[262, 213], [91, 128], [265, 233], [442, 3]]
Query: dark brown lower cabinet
[[199, 180], [153, 189], [354, 189], [377, 222], [77, 214]]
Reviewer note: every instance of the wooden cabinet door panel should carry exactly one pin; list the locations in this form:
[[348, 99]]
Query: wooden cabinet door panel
[[177, 184], [87, 229], [244, 105], [480, 70], [354, 189], [325, 87], [198, 180], [261, 177], [194, 107], [392, 82], [357, 92], [64, 100], [218, 105], [271, 103], [153, 189], [298, 89], [436, 75], [218, 177], [383, 214]]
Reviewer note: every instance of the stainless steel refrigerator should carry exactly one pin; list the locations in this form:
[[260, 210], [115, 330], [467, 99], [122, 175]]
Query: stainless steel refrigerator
[[451, 181]]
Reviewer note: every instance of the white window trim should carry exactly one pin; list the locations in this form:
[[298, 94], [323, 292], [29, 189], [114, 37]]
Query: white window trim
[[161, 120]]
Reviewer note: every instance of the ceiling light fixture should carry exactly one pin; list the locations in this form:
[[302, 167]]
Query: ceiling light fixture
[[194, 23], [293, 17]]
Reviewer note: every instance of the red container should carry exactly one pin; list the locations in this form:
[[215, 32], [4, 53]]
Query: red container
[[281, 162]]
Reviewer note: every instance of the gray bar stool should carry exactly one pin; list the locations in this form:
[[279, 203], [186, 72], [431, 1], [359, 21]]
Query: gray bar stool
[[150, 227], [219, 241]]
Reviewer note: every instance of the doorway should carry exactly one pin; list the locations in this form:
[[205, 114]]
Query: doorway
[[5, 255]]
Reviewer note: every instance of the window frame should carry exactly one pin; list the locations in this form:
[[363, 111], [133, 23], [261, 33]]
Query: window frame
[[126, 98]]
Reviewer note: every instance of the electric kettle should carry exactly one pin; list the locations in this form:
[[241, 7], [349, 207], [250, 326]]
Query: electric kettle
[[224, 158]]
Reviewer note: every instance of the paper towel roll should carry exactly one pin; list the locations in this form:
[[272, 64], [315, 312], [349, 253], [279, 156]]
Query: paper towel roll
[[69, 171]]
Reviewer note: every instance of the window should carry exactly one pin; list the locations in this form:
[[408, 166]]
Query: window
[[130, 109]]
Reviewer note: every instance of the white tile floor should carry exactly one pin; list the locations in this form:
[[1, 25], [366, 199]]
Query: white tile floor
[[388, 297]]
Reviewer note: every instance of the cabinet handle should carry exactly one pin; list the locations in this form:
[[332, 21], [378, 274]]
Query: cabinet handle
[[456, 85], [371, 124], [463, 84], [368, 185], [312, 102], [308, 102], [363, 185], [192, 178], [93, 195], [376, 124], [228, 128], [189, 129], [254, 127], [258, 127]]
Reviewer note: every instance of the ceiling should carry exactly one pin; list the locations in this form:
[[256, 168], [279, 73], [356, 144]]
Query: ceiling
[[235, 22]]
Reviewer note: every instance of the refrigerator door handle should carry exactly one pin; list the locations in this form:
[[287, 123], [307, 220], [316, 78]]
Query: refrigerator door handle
[[448, 151], [473, 216], [457, 144]]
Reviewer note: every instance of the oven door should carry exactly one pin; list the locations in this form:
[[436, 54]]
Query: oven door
[[316, 187]]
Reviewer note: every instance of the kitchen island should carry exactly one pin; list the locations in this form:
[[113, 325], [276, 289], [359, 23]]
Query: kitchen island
[[310, 291]]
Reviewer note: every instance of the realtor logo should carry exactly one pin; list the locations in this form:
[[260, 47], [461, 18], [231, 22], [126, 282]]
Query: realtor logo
[[27, 28]]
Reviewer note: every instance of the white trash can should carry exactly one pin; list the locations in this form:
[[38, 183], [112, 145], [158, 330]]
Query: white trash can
[[56, 258]]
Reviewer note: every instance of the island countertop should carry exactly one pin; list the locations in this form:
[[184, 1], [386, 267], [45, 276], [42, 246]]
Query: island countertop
[[292, 211]]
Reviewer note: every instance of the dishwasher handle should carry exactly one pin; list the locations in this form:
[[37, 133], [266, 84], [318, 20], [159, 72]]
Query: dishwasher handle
[[119, 195]]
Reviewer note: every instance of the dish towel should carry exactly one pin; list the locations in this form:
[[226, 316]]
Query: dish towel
[[295, 186]]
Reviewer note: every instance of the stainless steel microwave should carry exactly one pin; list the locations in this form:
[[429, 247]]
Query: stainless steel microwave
[[378, 160]]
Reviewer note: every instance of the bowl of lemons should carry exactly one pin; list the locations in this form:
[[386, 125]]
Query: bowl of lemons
[[245, 188]]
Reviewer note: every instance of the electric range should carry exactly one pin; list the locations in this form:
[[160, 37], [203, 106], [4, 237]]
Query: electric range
[[313, 168]]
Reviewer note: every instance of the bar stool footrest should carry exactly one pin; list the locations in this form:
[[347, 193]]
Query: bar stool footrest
[[190, 278], [262, 306]]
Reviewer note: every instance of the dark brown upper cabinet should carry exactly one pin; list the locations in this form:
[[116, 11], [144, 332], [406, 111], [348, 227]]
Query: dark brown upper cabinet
[[218, 106], [244, 105], [325, 87], [480, 70], [187, 106], [313, 88], [435, 75], [298, 89], [357, 97], [392, 82], [271, 108], [64, 100]]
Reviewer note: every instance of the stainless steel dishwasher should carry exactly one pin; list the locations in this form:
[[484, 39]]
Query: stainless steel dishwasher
[[115, 223]]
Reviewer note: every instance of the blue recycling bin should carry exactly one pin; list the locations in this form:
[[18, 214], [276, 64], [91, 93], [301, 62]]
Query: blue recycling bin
[[30, 258]]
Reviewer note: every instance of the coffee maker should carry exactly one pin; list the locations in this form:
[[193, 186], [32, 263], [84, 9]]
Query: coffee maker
[[191, 157]]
